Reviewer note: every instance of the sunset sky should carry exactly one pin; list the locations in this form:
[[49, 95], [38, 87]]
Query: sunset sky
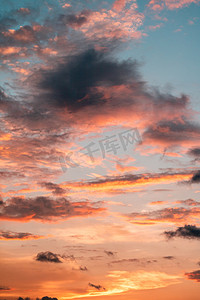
[[100, 149]]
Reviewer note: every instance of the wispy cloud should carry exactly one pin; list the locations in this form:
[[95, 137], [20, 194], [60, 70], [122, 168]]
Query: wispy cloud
[[11, 235]]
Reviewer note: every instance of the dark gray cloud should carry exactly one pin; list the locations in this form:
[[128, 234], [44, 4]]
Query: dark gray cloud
[[73, 83], [97, 287], [4, 288], [11, 235], [48, 298], [194, 152], [196, 177], [55, 188], [45, 209], [76, 20], [126, 260], [141, 261], [6, 22], [109, 253], [169, 257], [173, 131], [81, 268], [187, 232], [48, 257], [194, 275]]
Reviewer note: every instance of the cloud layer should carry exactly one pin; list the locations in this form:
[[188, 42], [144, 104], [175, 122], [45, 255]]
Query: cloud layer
[[45, 209]]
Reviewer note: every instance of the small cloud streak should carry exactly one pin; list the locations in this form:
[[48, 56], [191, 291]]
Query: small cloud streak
[[4, 288], [127, 181], [97, 287], [11, 235], [158, 5], [166, 215]]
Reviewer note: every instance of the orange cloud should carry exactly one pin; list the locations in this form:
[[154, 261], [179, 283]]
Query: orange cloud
[[118, 282], [126, 181], [175, 215], [10, 236], [158, 202], [9, 50]]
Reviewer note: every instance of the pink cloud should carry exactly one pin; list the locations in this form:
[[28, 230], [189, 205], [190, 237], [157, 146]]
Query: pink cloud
[[157, 5], [115, 23], [66, 5], [120, 4], [154, 27], [6, 51]]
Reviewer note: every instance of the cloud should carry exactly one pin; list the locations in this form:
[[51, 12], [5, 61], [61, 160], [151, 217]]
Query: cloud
[[140, 261], [123, 281], [119, 23], [55, 188], [74, 84], [195, 275], [81, 268], [189, 202], [169, 257], [171, 132], [24, 10], [76, 20], [127, 181], [4, 288], [48, 257], [61, 32], [23, 35], [45, 209], [126, 260], [5, 175], [11, 235], [97, 287], [194, 152], [166, 215], [109, 253], [84, 84], [78, 92], [120, 4], [158, 5], [48, 298], [196, 177], [158, 202], [187, 232]]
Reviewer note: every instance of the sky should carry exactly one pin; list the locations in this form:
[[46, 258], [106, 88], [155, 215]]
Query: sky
[[100, 149]]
